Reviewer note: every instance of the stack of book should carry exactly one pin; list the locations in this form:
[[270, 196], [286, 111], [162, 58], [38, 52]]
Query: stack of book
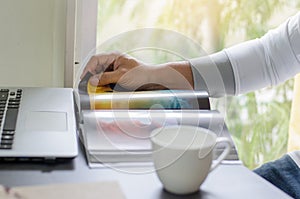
[[116, 126], [122, 136]]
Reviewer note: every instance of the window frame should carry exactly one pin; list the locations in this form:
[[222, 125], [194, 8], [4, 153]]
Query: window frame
[[81, 39]]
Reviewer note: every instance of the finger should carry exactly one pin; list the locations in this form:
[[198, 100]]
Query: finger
[[90, 67], [104, 78], [119, 60], [109, 78], [99, 63], [94, 80]]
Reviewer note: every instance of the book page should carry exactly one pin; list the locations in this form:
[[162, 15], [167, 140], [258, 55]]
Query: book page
[[130, 133]]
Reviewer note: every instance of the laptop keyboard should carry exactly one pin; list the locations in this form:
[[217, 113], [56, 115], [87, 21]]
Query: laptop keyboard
[[9, 108]]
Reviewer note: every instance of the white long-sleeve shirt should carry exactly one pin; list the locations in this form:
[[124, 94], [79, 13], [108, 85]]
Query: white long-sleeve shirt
[[252, 65], [270, 60]]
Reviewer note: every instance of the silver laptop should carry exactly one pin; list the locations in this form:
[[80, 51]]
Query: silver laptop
[[37, 124]]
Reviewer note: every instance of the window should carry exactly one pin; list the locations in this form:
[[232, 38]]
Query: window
[[258, 121]]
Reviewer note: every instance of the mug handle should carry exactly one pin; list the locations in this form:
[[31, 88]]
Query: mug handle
[[225, 152]]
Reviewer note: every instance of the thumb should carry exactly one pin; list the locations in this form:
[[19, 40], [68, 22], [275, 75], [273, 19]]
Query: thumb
[[104, 78], [108, 78]]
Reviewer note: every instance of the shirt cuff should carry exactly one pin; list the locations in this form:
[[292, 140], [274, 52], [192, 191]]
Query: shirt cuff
[[295, 155], [214, 74]]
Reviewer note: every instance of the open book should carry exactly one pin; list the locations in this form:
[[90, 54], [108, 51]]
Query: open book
[[123, 136], [112, 96], [116, 124]]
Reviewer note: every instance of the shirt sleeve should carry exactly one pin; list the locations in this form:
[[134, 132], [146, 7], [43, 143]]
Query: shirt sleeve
[[270, 60], [214, 74], [295, 155], [251, 65]]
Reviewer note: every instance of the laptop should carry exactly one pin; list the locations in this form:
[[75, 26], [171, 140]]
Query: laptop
[[37, 124]]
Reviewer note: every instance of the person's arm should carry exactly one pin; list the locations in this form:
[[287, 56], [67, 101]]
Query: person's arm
[[251, 65], [245, 67], [214, 74], [132, 74], [267, 61]]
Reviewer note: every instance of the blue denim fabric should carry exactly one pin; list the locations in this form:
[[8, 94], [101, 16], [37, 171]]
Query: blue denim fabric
[[284, 174]]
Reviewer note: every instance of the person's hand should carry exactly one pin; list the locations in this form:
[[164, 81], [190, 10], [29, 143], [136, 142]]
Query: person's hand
[[132, 74], [120, 69]]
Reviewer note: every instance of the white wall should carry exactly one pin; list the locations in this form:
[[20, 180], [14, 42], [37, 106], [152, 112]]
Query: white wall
[[32, 42]]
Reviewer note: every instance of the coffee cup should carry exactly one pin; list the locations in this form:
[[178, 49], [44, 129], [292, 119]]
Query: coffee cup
[[183, 156]]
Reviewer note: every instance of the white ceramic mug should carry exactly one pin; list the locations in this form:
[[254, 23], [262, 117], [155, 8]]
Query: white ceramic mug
[[183, 156]]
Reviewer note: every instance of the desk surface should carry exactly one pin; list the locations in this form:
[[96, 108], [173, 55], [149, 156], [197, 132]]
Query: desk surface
[[227, 181]]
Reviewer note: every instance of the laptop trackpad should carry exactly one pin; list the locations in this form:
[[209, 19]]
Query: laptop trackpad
[[46, 121]]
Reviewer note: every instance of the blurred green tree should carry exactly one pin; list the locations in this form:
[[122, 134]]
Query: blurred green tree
[[258, 120]]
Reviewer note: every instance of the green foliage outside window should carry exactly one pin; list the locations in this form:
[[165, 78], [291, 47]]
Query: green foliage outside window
[[258, 120]]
